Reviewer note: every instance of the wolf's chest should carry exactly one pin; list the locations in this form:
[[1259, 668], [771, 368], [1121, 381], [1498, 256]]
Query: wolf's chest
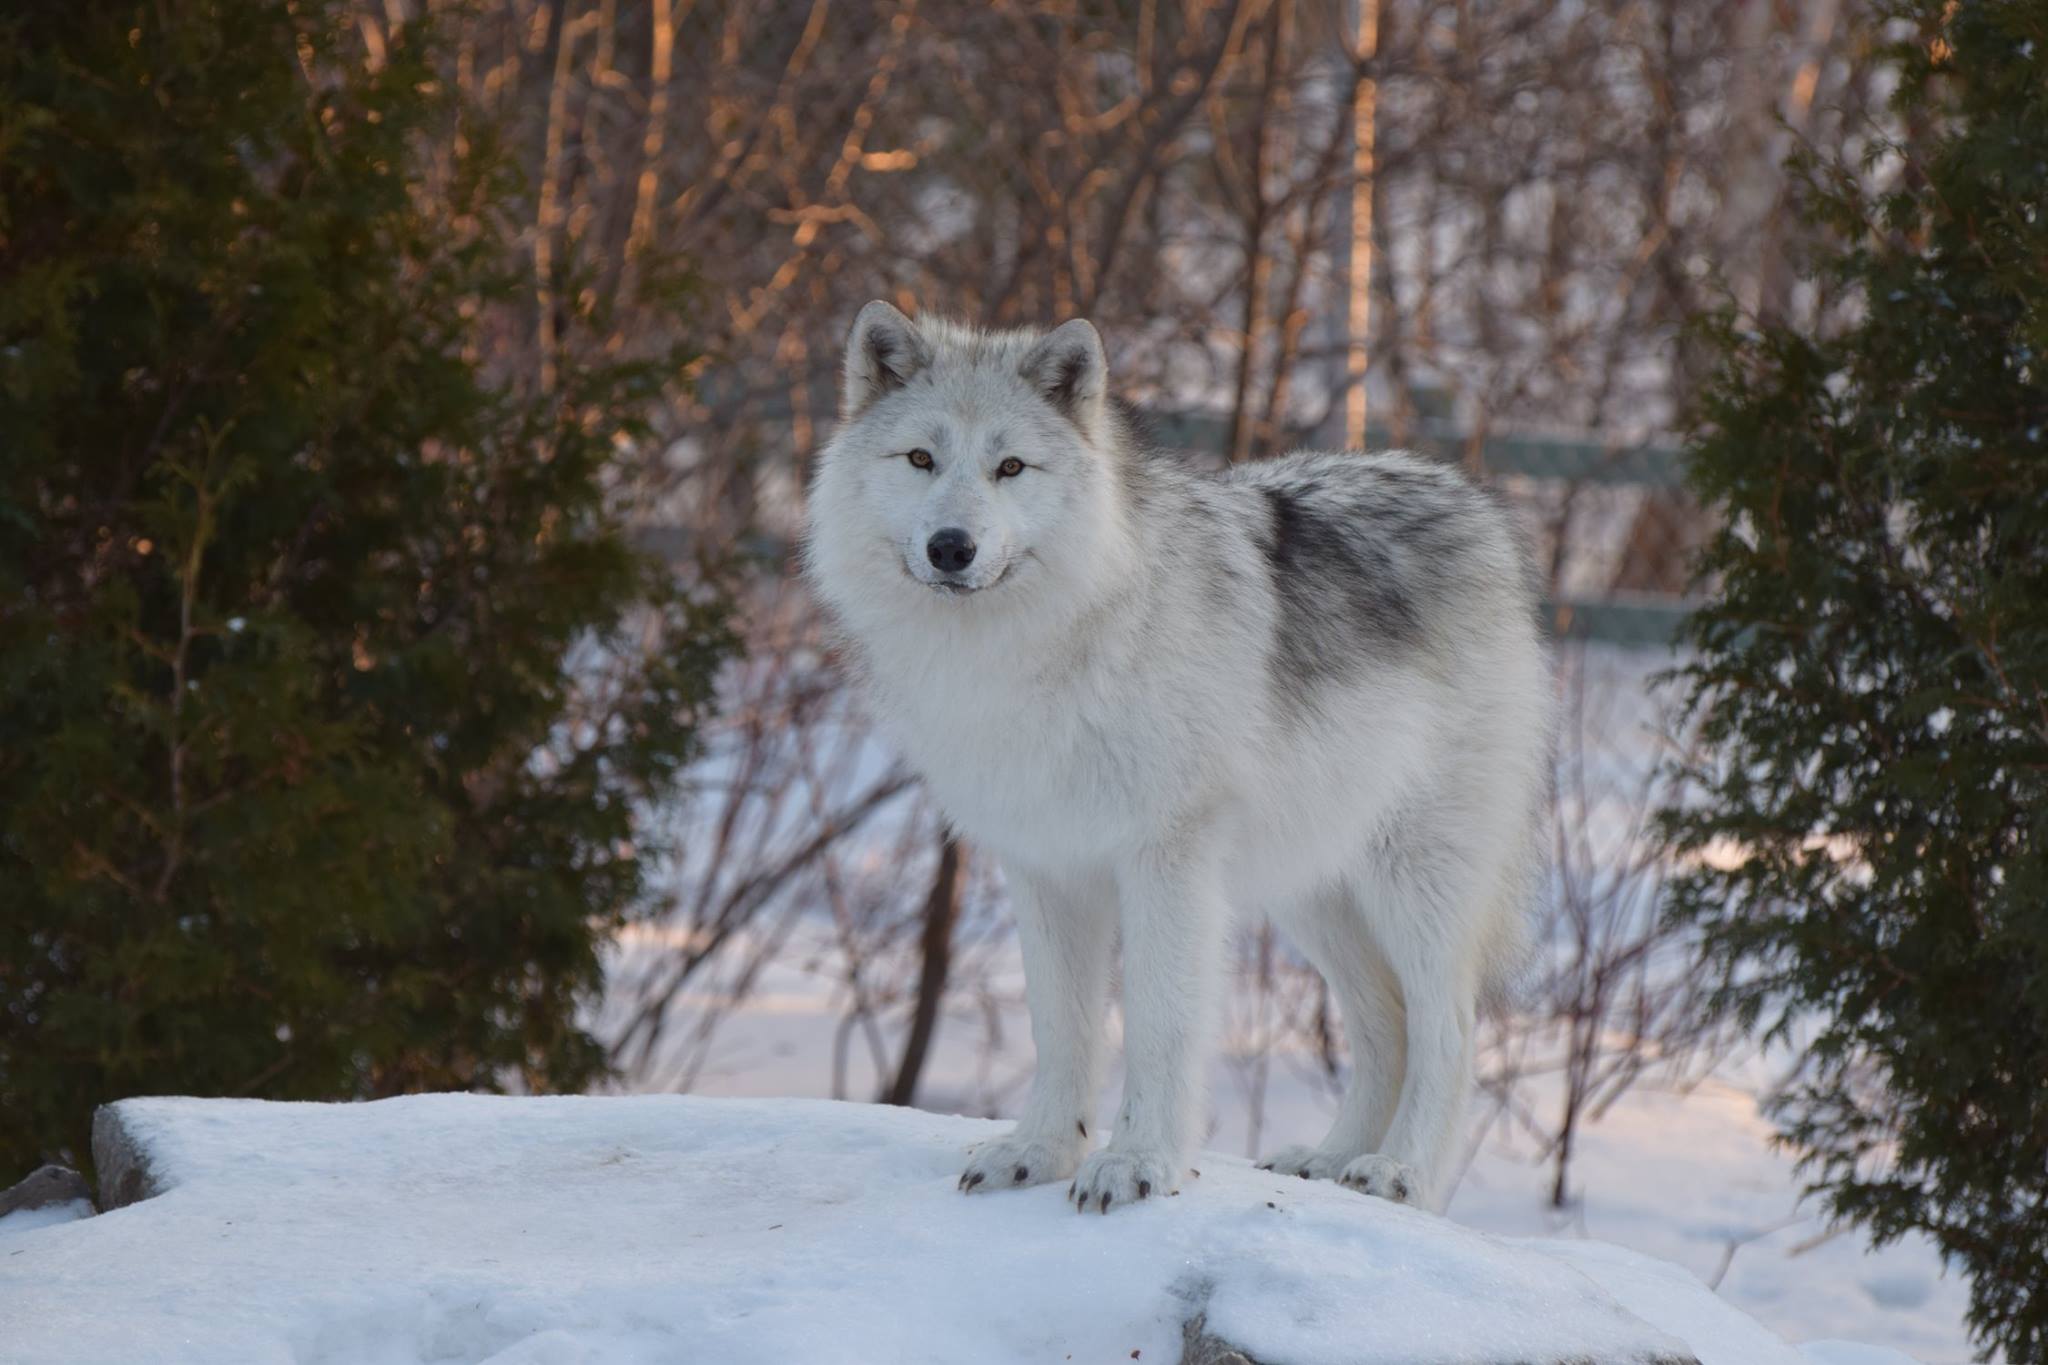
[[1014, 763]]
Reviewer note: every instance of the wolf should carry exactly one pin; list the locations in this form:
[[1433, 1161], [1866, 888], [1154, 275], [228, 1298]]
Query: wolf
[[1311, 687]]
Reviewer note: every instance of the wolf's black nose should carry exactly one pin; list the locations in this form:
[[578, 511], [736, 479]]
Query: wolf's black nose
[[950, 550]]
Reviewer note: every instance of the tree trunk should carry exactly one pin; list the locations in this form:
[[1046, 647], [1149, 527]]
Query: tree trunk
[[941, 908]]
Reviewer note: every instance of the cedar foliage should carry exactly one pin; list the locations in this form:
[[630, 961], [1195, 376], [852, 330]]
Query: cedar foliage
[[306, 788], [1871, 871]]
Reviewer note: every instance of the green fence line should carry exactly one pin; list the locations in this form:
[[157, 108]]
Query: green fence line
[[1647, 622], [1538, 457], [1642, 623]]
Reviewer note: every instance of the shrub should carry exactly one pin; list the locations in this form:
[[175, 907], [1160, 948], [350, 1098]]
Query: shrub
[[1869, 864], [324, 707]]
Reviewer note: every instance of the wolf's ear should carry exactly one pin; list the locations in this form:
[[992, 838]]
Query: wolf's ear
[[1070, 372], [884, 353]]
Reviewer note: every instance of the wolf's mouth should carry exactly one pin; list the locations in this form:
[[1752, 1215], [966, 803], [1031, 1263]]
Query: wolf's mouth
[[969, 589], [951, 588]]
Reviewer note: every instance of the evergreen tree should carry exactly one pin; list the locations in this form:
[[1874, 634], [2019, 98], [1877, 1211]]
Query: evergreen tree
[[1866, 848], [302, 793]]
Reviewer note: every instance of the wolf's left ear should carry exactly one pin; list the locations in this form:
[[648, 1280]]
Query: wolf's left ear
[[1069, 370], [884, 353]]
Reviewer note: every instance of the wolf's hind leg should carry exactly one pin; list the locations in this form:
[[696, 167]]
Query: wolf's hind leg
[[1065, 931], [1330, 930], [1417, 928]]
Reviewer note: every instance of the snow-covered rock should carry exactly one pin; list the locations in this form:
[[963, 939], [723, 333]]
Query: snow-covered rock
[[661, 1228], [46, 1187], [120, 1158]]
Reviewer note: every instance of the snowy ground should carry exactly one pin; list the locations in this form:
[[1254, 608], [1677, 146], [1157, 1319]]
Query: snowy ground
[[659, 1228], [1690, 1179]]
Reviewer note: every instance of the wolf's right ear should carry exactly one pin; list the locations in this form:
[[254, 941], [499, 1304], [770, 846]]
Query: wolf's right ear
[[884, 353]]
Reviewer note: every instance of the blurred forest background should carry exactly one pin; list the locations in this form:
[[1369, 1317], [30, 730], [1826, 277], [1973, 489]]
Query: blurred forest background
[[1480, 229], [1483, 229]]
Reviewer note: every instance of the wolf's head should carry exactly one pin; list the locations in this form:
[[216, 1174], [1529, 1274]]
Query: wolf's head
[[969, 469]]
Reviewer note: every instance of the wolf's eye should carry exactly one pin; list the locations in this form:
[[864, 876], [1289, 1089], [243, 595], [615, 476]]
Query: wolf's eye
[[919, 459], [1010, 468]]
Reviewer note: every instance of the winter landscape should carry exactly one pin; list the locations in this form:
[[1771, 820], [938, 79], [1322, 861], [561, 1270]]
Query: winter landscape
[[1200, 682], [665, 1228]]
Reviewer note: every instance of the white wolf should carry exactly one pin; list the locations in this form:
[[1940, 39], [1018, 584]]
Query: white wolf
[[1311, 687]]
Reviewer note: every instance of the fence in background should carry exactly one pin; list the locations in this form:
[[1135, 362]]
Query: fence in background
[[1631, 618]]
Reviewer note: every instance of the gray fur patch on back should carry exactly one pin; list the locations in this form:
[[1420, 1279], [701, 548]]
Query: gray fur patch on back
[[1365, 554]]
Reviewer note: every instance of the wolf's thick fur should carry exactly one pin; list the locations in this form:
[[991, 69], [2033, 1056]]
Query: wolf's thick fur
[[1310, 687]]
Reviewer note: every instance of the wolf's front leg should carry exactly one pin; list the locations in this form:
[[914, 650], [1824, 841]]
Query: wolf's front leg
[[1064, 929], [1173, 922]]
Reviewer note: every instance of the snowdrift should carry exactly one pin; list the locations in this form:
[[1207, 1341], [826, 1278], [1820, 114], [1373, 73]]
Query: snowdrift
[[667, 1228]]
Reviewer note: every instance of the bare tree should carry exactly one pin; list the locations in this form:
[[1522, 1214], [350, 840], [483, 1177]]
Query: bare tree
[[1612, 999], [935, 946]]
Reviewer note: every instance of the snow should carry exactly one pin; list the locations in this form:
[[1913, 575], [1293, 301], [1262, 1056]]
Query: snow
[[1852, 1353], [49, 1215], [1688, 1178], [599, 1229], [1693, 1179]]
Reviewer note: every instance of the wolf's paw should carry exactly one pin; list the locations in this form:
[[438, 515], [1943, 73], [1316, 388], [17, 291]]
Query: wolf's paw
[[1384, 1177], [1111, 1177], [1013, 1162], [1310, 1163]]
